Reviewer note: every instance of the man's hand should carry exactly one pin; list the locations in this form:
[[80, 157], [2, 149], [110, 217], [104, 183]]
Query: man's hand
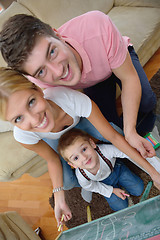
[[143, 146]]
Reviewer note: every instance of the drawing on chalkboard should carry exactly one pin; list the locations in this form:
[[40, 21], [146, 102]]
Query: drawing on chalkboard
[[137, 222]]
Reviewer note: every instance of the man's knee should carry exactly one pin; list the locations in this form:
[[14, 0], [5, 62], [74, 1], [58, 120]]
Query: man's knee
[[148, 103]]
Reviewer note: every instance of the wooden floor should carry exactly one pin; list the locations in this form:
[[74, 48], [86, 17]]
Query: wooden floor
[[30, 196]]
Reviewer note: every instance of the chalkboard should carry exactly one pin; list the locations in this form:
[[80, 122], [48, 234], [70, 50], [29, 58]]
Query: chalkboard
[[137, 222]]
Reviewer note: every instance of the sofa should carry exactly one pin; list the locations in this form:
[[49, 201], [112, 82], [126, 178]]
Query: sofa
[[138, 19], [13, 227]]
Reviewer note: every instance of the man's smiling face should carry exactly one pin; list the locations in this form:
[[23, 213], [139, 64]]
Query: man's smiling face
[[54, 62]]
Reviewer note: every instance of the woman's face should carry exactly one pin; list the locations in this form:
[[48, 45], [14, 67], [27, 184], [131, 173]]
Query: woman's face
[[28, 110]]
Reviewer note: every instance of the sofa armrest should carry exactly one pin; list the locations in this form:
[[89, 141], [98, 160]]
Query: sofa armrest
[[14, 8], [16, 160], [13, 227], [137, 3]]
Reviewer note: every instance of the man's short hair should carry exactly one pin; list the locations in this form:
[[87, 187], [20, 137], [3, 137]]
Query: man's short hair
[[18, 38]]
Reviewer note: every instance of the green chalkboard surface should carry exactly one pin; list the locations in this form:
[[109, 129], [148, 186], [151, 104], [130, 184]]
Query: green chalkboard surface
[[137, 222]]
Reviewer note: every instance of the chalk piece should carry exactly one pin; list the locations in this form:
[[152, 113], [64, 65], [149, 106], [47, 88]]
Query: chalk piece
[[89, 219], [157, 237], [61, 224], [150, 141], [146, 191], [125, 194], [155, 143]]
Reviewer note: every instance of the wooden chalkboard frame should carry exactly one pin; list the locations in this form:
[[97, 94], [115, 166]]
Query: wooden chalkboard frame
[[138, 222]]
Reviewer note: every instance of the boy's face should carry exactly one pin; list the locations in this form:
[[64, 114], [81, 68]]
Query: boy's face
[[28, 110], [81, 154], [53, 61]]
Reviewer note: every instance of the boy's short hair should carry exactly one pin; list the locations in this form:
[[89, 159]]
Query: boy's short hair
[[68, 138], [18, 38]]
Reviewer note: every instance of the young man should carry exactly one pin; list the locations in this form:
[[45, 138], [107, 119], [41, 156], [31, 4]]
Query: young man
[[87, 52], [97, 169]]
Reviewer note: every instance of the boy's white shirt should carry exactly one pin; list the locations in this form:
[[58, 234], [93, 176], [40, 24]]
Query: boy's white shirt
[[94, 185]]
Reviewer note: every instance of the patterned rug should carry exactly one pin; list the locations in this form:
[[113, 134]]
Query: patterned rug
[[99, 207]]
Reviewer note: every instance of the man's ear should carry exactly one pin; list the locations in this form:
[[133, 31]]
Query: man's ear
[[72, 165], [92, 143]]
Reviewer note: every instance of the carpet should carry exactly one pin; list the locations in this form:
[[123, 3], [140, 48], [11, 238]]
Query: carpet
[[99, 206]]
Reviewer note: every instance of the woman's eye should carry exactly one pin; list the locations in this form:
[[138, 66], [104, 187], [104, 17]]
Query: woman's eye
[[31, 102], [18, 119]]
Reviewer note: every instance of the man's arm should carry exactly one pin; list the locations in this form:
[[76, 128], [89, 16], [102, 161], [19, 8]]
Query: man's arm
[[107, 131], [131, 96], [56, 174]]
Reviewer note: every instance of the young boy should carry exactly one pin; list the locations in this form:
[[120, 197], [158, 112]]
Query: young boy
[[97, 169]]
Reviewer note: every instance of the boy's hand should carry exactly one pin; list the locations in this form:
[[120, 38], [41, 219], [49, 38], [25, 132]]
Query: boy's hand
[[120, 193]]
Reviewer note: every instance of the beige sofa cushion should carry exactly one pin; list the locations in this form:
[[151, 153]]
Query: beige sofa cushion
[[5, 126], [128, 20], [14, 8], [18, 160], [57, 12], [137, 3]]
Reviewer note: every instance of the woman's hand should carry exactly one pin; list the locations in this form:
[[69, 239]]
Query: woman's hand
[[61, 208], [119, 193], [143, 146]]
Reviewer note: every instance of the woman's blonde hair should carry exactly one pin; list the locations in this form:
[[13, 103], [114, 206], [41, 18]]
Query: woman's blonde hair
[[11, 81]]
